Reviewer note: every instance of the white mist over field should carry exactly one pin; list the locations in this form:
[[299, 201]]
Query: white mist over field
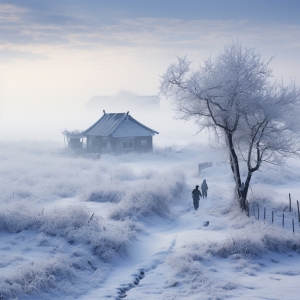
[[76, 227], [45, 126]]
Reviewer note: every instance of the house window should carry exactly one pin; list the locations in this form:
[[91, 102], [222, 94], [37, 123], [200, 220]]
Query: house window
[[143, 142], [127, 144]]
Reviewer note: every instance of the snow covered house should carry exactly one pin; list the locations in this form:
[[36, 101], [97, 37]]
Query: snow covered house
[[113, 132]]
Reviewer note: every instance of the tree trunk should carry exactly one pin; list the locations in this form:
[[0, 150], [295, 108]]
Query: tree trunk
[[251, 170], [247, 184], [234, 163]]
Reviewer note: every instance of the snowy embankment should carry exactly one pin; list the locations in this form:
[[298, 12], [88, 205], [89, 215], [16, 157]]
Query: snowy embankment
[[78, 227]]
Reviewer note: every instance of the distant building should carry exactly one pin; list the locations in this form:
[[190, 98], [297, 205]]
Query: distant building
[[123, 101], [113, 132], [147, 102]]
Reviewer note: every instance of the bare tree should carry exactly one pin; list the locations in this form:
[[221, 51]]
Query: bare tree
[[234, 96], [269, 130]]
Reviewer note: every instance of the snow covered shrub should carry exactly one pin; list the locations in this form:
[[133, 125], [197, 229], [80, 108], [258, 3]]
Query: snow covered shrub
[[263, 198], [106, 191], [46, 175], [56, 221], [188, 269], [244, 245], [104, 195], [16, 216], [38, 276], [153, 196], [106, 240], [253, 241], [59, 273], [122, 173], [95, 245], [278, 239], [74, 223], [187, 264], [271, 200]]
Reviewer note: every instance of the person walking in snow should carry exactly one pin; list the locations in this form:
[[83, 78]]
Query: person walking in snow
[[204, 188], [196, 197]]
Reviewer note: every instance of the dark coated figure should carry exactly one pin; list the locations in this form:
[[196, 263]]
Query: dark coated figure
[[196, 197], [204, 188]]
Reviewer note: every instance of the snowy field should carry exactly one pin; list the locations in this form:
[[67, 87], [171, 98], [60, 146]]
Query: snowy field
[[78, 227]]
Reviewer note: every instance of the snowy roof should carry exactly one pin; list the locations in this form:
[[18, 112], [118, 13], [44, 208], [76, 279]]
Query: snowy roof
[[119, 125]]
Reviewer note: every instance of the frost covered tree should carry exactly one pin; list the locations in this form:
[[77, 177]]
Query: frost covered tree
[[235, 95]]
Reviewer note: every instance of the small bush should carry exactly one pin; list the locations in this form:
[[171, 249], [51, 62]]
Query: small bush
[[153, 196]]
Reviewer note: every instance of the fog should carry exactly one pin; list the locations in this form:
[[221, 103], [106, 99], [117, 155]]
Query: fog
[[55, 57], [41, 126], [41, 98]]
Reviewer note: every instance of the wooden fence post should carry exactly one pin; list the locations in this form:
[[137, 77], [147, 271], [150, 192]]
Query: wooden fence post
[[298, 211], [283, 220], [293, 226], [264, 214], [272, 216], [290, 203]]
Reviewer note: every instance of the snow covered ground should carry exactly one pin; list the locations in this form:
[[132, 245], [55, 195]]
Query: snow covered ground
[[77, 227]]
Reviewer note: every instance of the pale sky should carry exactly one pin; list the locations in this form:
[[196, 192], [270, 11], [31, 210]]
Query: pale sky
[[55, 55]]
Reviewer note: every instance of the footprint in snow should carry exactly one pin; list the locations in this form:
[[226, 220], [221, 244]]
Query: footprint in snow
[[122, 291]]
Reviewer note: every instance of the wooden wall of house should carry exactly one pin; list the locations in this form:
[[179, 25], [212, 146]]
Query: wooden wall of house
[[143, 144], [119, 145], [96, 144], [123, 145], [106, 145], [134, 144], [92, 144]]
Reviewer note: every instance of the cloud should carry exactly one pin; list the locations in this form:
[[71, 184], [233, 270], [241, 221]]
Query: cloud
[[75, 33], [8, 54], [77, 30], [11, 13]]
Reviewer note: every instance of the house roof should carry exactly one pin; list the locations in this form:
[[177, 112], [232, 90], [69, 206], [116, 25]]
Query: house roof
[[118, 125]]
